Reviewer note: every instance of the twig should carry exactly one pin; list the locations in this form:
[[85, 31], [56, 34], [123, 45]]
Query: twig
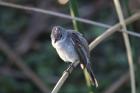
[[60, 82], [127, 45], [62, 16], [112, 30], [94, 44], [26, 70]]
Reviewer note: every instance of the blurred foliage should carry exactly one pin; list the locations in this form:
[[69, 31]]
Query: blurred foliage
[[109, 58]]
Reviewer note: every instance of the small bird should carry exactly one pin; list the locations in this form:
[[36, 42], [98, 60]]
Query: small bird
[[72, 47]]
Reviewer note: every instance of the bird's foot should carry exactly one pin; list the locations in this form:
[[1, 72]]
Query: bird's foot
[[69, 69]]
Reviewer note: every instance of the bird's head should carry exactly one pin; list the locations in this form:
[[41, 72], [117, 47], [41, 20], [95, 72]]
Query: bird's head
[[57, 33]]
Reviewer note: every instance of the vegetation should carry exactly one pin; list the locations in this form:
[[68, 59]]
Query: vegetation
[[29, 63]]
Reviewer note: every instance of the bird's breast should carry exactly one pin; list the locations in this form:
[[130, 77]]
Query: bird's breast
[[66, 51]]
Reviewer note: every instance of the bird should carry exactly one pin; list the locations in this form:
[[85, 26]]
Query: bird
[[72, 47]]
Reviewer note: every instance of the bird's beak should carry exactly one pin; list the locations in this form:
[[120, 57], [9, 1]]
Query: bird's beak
[[55, 40]]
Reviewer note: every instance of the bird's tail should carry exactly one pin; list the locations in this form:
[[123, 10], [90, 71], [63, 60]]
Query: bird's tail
[[91, 75]]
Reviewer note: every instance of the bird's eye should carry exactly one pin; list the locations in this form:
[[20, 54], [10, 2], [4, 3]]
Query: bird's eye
[[60, 35], [58, 28]]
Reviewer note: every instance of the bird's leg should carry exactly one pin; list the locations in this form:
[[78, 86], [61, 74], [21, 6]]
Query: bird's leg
[[69, 68]]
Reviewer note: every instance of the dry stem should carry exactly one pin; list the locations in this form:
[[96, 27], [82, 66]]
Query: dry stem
[[127, 45]]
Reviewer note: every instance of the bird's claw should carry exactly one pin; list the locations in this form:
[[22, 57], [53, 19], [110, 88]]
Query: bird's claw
[[68, 70]]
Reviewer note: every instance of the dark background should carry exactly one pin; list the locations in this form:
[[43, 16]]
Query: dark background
[[27, 34]]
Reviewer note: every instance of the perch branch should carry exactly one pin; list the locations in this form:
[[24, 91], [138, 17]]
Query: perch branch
[[63, 78]]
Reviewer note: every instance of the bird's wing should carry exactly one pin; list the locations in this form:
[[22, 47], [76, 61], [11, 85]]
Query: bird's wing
[[81, 47]]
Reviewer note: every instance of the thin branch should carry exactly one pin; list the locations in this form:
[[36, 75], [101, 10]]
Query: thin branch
[[26, 70], [112, 30], [131, 33], [48, 12], [127, 45]]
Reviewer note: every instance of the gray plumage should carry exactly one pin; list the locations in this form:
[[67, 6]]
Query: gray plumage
[[71, 46]]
